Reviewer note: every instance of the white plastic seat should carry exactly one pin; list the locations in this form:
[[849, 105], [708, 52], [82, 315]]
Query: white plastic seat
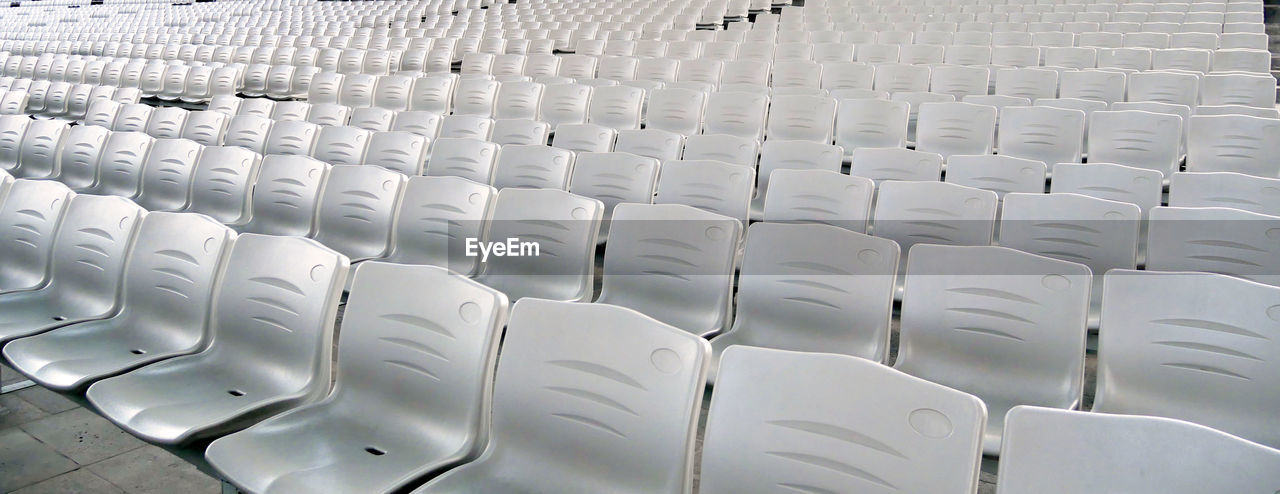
[[545, 364], [249, 132], [41, 146], [650, 142], [186, 398], [168, 287], [997, 173], [423, 123], [675, 110], [1058, 451], [475, 97], [586, 138], [520, 131], [1189, 331], [78, 287], [1241, 60], [721, 147], [357, 210], [827, 436], [292, 137], [287, 194], [121, 164], [1233, 143], [222, 183], [617, 107], [564, 228], [225, 103], [205, 127], [1177, 88], [564, 104], [81, 149], [1005, 325], [716, 186], [340, 145], [260, 107], [959, 81], [537, 167], [796, 155], [167, 175], [1214, 240], [1113, 182], [1256, 90], [1136, 138], [1041, 133], [432, 93], [648, 267], [812, 287], [819, 196], [871, 123], [436, 217], [955, 128], [518, 100], [133, 118], [934, 213], [809, 118], [28, 239], [1030, 83], [399, 151], [472, 159], [372, 118], [1224, 190], [896, 78], [884, 164]]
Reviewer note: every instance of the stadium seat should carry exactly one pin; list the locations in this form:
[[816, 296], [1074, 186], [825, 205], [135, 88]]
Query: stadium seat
[[357, 210], [29, 237], [286, 196], [557, 262]]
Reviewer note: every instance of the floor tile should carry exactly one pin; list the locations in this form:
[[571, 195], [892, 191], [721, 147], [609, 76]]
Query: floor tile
[[82, 436], [77, 482], [153, 470], [16, 411], [48, 401], [25, 461], [8, 375]]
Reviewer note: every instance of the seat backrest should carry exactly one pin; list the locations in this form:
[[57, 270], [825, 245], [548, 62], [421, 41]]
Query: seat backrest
[[358, 209], [653, 143], [614, 178], [286, 196], [589, 138], [433, 93], [1176, 88], [472, 159], [1042, 133], [456, 126], [357, 90], [1109, 181], [341, 145], [793, 155], [41, 146], [999, 323], [819, 196], [847, 75], [884, 164], [564, 104], [1234, 143], [436, 217], [1087, 452], [167, 122], [89, 254], [29, 218], [520, 131], [616, 107], [1214, 240], [955, 128], [538, 167], [934, 213], [997, 173], [722, 147], [122, 164], [277, 304], [133, 118], [1224, 190], [649, 368], [475, 97], [895, 77], [167, 174], [1136, 138], [328, 114], [249, 132], [871, 123], [1030, 83], [13, 128], [518, 100], [676, 110], [1255, 90], [206, 127], [393, 92], [291, 137], [223, 184], [406, 322], [672, 262], [399, 151], [172, 273], [812, 287], [807, 118], [549, 238], [715, 186], [1165, 334], [754, 439]]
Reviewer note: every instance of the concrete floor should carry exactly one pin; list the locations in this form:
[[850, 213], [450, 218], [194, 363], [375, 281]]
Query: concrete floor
[[49, 444]]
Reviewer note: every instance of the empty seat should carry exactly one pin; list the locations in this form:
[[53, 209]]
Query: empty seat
[[675, 110], [1042, 133], [38, 155], [955, 128], [1030, 83], [167, 175], [329, 114], [934, 213], [167, 122], [1224, 190], [649, 142], [260, 107], [286, 196], [847, 75], [812, 287], [1214, 240], [291, 137], [616, 107], [1233, 143], [1136, 138], [13, 128], [721, 147], [777, 155], [340, 145], [652, 369], [432, 93], [206, 127], [871, 123], [399, 151], [883, 164], [549, 238], [1164, 334], [472, 159], [519, 131], [806, 118], [518, 100], [1175, 88], [224, 180], [1257, 90], [372, 118], [827, 429], [587, 138], [167, 290], [538, 167], [249, 132], [564, 104], [959, 81], [28, 237], [436, 217], [275, 308], [732, 113], [121, 164], [1058, 451], [475, 97], [819, 196], [357, 210], [716, 186], [650, 267], [1005, 325], [997, 173], [80, 287], [1113, 182]]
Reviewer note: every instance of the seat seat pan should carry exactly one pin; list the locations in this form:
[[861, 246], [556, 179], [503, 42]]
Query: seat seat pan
[[32, 312], [72, 357], [189, 397]]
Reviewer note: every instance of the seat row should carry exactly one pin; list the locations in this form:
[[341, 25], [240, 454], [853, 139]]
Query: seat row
[[191, 391], [166, 80]]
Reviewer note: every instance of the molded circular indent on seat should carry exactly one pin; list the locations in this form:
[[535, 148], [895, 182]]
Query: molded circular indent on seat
[[208, 244], [1274, 312], [930, 423], [470, 312], [665, 360], [579, 213], [715, 233], [869, 256], [54, 204], [973, 202], [1055, 282], [124, 222], [474, 198], [642, 168], [317, 272], [313, 172], [1113, 215]]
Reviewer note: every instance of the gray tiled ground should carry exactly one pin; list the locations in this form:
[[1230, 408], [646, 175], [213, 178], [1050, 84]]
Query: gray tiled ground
[[49, 444]]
